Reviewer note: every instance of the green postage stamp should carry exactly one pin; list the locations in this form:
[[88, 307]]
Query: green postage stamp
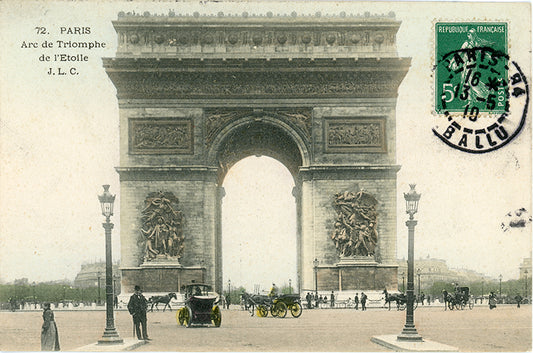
[[472, 67], [481, 94]]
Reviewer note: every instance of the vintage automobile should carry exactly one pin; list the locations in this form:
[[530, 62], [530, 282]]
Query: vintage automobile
[[200, 307]]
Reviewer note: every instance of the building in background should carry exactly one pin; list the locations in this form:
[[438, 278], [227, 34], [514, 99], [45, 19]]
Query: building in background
[[525, 268], [91, 274], [436, 270]]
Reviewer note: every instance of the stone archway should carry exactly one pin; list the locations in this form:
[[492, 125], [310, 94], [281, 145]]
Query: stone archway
[[197, 94], [266, 134]]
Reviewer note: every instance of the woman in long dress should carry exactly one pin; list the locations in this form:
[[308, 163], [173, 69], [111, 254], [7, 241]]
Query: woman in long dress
[[49, 335]]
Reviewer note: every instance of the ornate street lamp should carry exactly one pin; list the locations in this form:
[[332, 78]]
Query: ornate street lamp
[[500, 287], [315, 267], [99, 275], [290, 286], [229, 287], [418, 274], [110, 335], [409, 332], [526, 295]]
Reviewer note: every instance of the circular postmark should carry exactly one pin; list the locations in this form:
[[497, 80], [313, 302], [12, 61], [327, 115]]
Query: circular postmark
[[484, 99]]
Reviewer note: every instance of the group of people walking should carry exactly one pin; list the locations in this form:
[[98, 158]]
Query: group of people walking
[[316, 301]]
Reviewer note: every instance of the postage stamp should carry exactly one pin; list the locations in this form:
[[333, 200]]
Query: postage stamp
[[471, 68], [476, 84]]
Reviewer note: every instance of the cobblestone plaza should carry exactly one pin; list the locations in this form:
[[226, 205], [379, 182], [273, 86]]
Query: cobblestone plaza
[[505, 328]]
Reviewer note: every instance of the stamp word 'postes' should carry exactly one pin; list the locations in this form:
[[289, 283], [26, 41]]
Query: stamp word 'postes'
[[476, 85]]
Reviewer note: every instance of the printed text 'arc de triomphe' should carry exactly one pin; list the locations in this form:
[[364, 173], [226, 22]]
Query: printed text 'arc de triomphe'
[[198, 93]]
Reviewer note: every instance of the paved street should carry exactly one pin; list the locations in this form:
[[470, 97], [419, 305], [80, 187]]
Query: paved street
[[503, 329]]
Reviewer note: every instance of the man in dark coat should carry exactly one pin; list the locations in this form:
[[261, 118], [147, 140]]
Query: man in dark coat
[[518, 299], [363, 301], [137, 308]]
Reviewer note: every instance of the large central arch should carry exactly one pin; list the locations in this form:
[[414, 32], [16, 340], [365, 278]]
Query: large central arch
[[260, 134], [198, 93]]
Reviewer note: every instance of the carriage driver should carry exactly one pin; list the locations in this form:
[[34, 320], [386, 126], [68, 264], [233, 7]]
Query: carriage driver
[[273, 291], [137, 308]]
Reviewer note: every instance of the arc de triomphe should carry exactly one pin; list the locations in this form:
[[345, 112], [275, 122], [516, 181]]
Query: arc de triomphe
[[198, 93]]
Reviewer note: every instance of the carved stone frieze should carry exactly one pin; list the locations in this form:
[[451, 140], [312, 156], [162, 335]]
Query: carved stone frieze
[[355, 135], [254, 84], [344, 35], [351, 40], [160, 136]]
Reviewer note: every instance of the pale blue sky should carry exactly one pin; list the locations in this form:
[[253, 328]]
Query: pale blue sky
[[59, 144]]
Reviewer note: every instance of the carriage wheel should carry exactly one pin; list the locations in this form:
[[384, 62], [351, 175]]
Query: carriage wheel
[[296, 309], [451, 305], [184, 316], [280, 308], [457, 306], [471, 304], [274, 310], [216, 317], [463, 304], [188, 318], [179, 316], [402, 306], [262, 311]]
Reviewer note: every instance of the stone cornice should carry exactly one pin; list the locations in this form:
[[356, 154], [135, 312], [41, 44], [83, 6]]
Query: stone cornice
[[143, 173], [216, 36], [353, 171], [179, 79]]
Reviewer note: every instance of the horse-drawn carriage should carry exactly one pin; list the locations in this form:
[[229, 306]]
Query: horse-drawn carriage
[[276, 305], [400, 299], [460, 299], [161, 299], [200, 307]]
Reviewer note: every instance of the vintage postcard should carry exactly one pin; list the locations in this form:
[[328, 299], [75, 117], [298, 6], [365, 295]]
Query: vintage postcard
[[265, 176]]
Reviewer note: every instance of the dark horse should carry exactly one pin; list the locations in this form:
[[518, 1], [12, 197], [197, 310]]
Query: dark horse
[[253, 300], [399, 298], [165, 299]]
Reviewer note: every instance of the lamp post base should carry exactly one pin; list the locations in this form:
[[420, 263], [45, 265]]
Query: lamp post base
[[409, 334], [110, 336]]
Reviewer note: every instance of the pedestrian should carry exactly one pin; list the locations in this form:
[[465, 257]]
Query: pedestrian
[[363, 301], [228, 301], [137, 308], [308, 299], [429, 300], [116, 302], [332, 300], [49, 334], [356, 301], [422, 298], [445, 298], [518, 299], [492, 300]]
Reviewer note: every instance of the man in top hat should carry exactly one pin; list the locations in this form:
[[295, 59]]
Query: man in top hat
[[137, 308]]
